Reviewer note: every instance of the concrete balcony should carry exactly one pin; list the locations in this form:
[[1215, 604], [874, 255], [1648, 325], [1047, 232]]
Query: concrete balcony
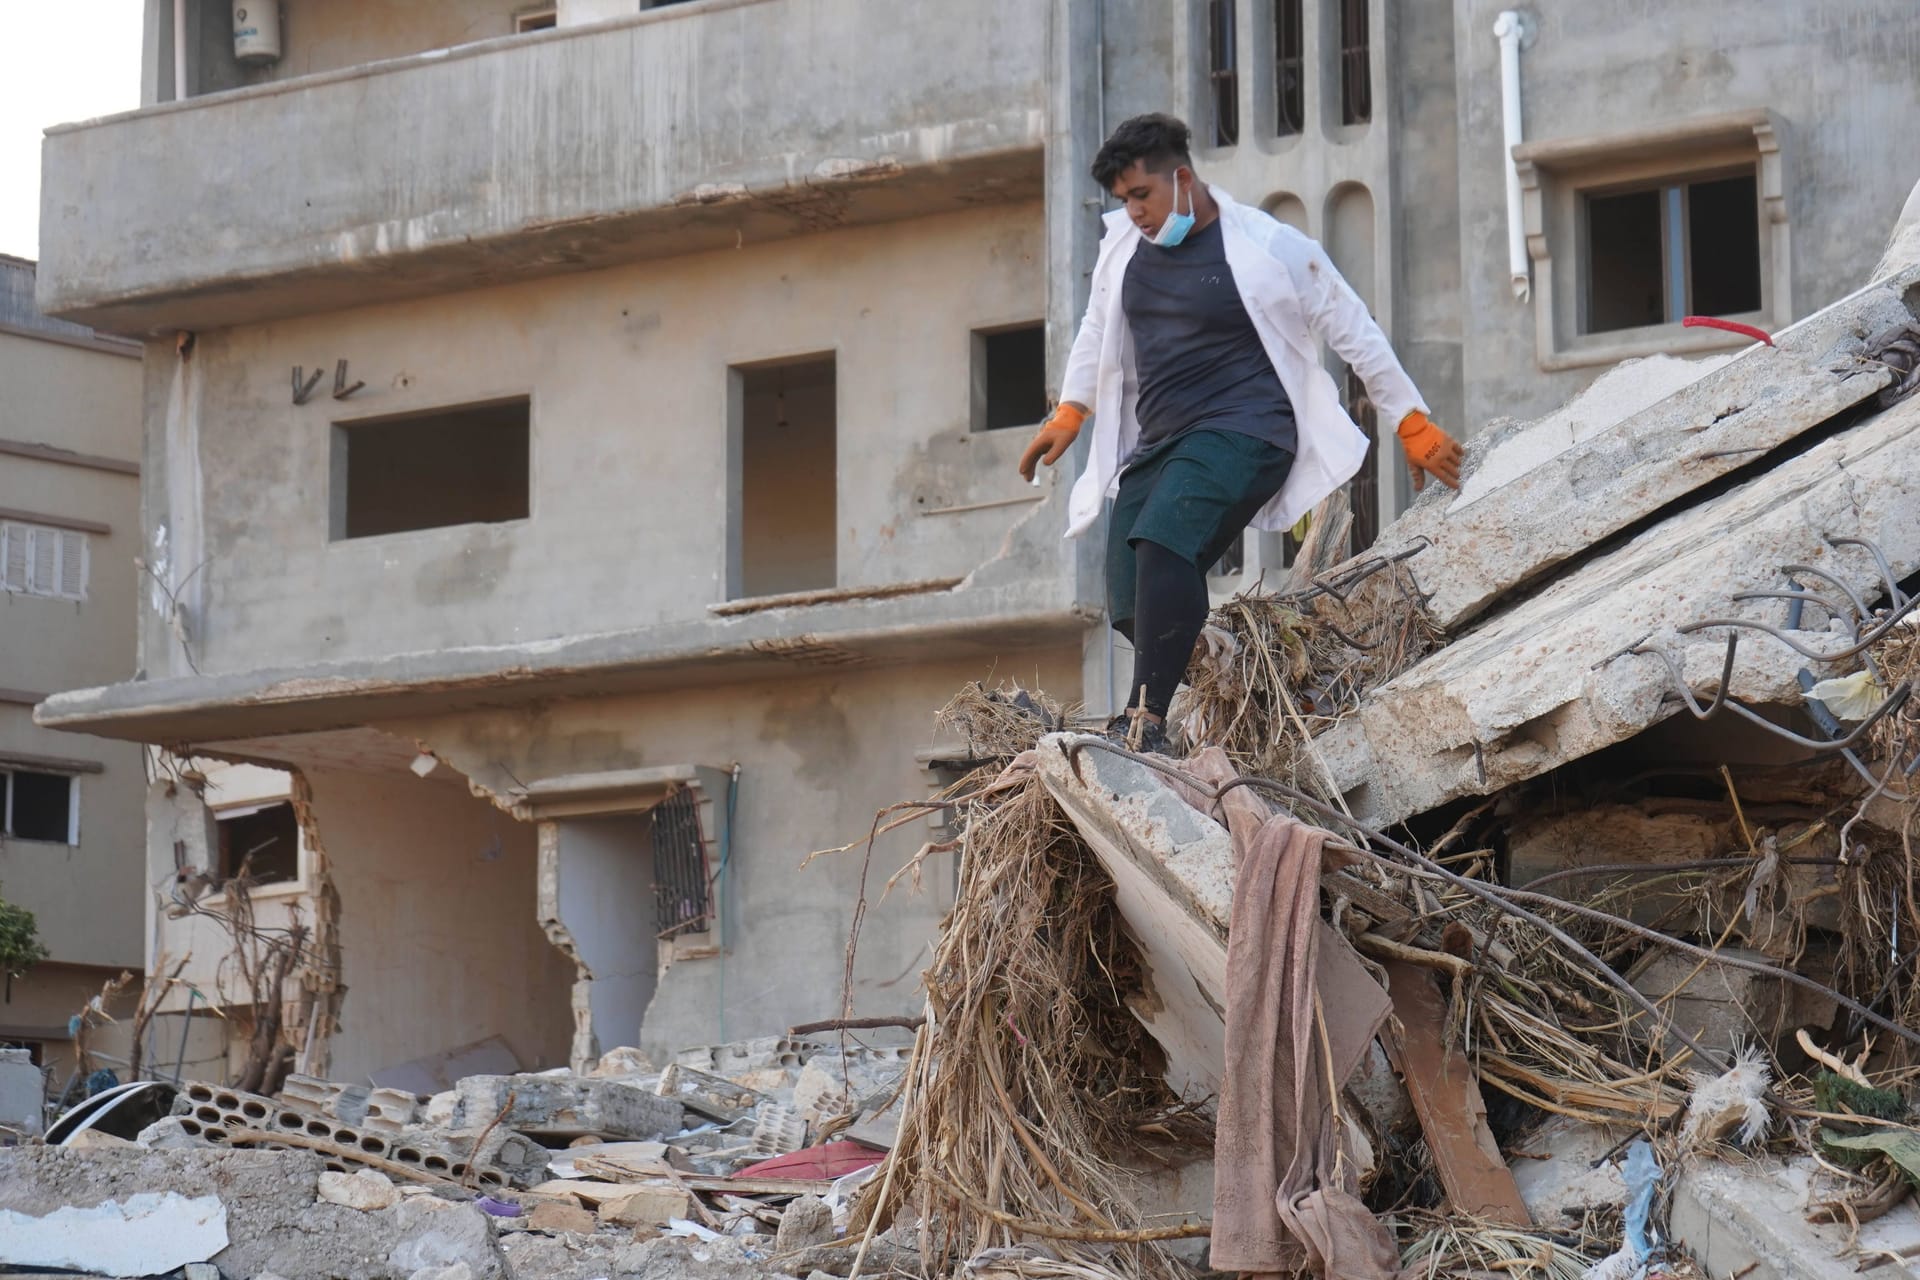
[[677, 130]]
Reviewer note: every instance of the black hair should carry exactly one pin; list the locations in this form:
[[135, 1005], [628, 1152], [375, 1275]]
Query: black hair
[[1159, 142]]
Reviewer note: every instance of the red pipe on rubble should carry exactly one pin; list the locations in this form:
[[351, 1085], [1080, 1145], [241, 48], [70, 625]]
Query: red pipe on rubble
[[1731, 326]]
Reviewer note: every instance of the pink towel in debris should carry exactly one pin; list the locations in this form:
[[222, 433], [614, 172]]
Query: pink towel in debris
[[1281, 1201]]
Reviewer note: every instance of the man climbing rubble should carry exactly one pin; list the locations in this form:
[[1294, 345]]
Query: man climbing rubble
[[1197, 360]]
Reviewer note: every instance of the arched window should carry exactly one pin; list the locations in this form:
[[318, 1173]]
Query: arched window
[[1356, 64], [1223, 81]]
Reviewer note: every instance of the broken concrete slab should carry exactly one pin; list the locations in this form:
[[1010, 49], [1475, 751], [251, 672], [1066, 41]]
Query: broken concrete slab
[[1584, 485], [566, 1106], [1903, 245], [1562, 1170], [1750, 1220], [143, 1234], [1173, 873], [1551, 678]]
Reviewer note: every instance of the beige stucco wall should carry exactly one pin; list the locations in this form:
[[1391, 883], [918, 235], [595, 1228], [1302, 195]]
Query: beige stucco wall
[[86, 897], [820, 756], [628, 373]]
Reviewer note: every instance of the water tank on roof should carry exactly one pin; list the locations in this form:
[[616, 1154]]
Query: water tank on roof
[[256, 31]]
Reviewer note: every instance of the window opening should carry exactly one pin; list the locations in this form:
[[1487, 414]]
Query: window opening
[[1223, 80], [786, 514], [1363, 491], [38, 560], [1356, 64], [682, 883], [1658, 254], [536, 20], [1289, 67], [40, 806], [261, 843], [464, 465], [1009, 377]]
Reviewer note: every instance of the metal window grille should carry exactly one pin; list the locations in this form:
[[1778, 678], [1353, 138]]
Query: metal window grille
[[682, 884], [1356, 69], [1363, 491], [1222, 80], [1289, 67]]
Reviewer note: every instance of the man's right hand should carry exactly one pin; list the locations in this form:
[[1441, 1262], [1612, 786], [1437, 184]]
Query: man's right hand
[[1056, 433]]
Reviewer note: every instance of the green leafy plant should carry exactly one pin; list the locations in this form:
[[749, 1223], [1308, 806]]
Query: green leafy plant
[[20, 945]]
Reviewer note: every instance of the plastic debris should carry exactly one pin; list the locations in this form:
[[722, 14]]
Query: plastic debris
[[1849, 697]]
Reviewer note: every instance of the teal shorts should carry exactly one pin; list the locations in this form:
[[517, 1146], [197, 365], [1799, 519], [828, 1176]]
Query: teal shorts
[[1193, 493]]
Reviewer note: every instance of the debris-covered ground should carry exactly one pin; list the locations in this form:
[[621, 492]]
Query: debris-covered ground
[[732, 1160]]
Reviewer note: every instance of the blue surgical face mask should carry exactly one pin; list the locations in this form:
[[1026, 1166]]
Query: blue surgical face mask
[[1175, 228]]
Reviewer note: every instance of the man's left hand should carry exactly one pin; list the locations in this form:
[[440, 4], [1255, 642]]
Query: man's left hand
[[1430, 451]]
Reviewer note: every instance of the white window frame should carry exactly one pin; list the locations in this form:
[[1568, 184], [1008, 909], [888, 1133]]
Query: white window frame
[[20, 554], [73, 807], [1556, 174], [279, 888]]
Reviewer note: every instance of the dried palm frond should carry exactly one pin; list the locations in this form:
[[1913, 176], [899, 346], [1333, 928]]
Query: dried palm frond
[[998, 724], [1461, 1246], [1277, 670], [1033, 1085]]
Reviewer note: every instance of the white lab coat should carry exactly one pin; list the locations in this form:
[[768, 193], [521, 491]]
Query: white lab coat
[[1294, 296]]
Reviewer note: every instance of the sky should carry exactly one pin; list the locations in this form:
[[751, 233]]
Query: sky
[[66, 61]]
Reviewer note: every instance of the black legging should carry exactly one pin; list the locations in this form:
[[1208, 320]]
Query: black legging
[[1170, 607]]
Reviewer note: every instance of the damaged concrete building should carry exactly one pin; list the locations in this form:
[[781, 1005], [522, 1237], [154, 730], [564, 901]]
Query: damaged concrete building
[[580, 439]]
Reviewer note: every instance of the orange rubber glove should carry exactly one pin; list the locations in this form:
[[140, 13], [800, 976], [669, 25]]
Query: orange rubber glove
[[1429, 450], [1055, 434]]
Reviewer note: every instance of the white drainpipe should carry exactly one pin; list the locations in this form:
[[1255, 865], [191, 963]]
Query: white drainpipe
[[179, 49], [1508, 28]]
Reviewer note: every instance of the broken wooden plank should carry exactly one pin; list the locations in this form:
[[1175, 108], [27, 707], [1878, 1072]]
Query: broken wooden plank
[[1446, 1098]]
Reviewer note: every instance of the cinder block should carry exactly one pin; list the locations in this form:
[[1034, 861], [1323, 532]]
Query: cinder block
[[213, 1115], [566, 1106], [1721, 1007]]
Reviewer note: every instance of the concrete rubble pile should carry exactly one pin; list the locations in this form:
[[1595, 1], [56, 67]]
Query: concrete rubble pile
[[731, 1160], [1607, 767]]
